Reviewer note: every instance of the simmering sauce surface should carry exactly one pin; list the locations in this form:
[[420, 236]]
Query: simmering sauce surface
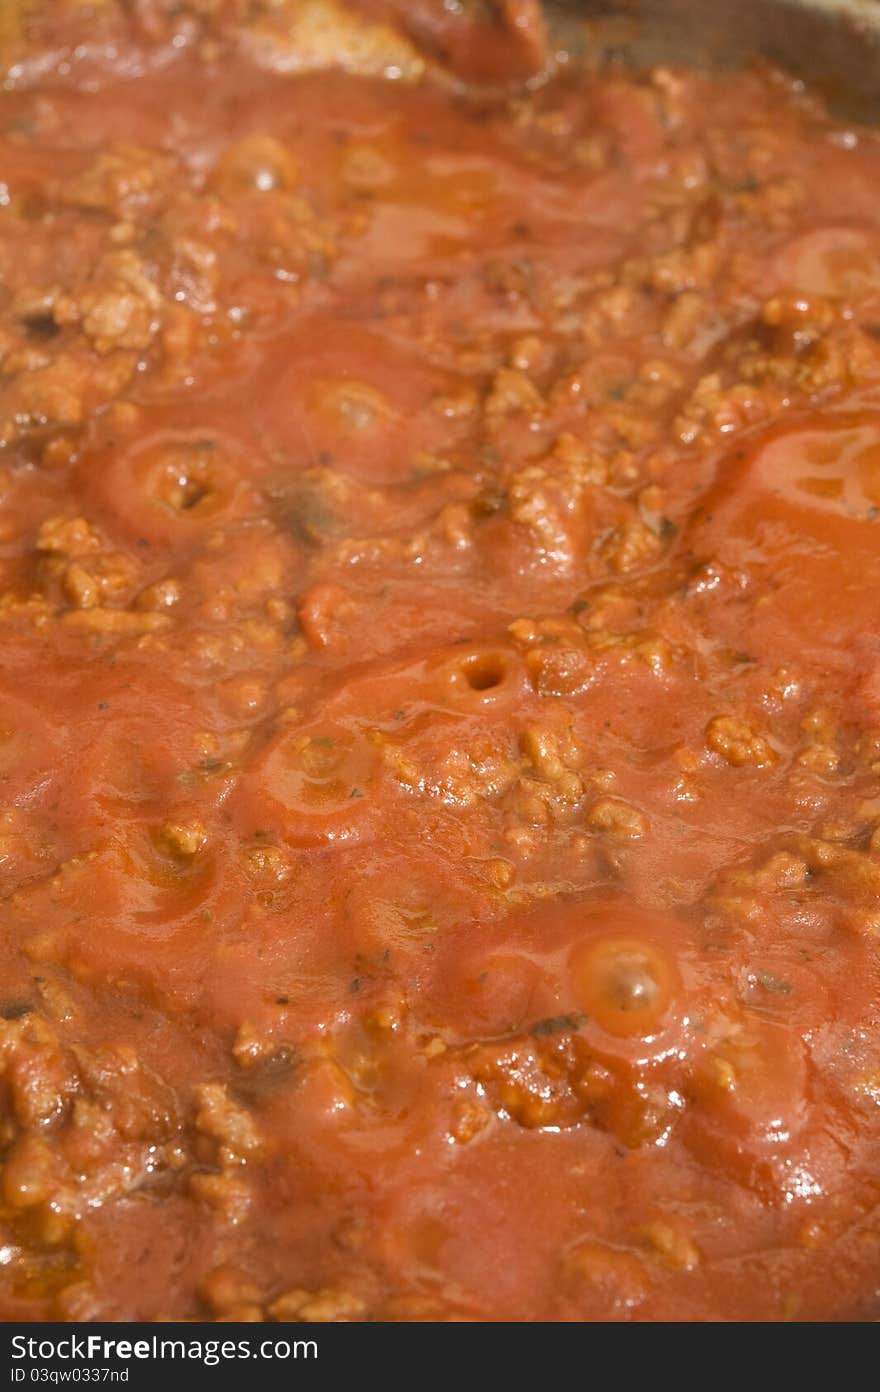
[[440, 668]]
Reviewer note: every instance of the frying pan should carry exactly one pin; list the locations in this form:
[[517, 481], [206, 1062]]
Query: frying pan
[[832, 44]]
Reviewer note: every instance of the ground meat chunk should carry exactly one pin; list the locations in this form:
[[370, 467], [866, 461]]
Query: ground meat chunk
[[119, 308], [737, 743]]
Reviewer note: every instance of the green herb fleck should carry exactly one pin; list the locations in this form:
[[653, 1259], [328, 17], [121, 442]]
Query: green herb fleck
[[773, 983], [559, 1024]]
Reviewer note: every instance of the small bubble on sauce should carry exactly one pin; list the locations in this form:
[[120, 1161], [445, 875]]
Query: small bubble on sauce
[[625, 986]]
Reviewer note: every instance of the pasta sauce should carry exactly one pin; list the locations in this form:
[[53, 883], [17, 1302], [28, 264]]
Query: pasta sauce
[[440, 721]]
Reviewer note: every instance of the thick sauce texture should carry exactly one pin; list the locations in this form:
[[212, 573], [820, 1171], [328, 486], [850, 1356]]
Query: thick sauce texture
[[440, 673]]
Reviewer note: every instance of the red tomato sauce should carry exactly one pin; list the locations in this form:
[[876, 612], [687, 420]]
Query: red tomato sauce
[[440, 676]]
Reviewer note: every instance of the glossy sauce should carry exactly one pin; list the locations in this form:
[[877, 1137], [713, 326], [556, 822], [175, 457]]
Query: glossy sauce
[[440, 674]]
